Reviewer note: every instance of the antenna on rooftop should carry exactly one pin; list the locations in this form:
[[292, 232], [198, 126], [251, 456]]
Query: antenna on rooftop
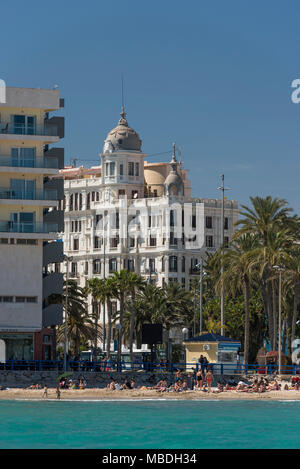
[[179, 152], [122, 80]]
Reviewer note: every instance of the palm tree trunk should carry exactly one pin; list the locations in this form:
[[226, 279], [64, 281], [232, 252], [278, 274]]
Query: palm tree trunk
[[96, 326], [270, 315], [295, 309], [275, 309], [121, 324], [108, 307], [132, 320], [77, 344], [247, 318]]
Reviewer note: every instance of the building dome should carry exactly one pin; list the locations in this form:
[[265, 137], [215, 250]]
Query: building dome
[[173, 185], [122, 137]]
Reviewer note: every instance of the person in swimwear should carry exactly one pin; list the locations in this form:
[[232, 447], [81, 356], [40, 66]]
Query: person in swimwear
[[209, 379]]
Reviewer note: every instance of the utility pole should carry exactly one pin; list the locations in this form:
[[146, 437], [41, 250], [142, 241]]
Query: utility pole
[[222, 267], [223, 189], [279, 270]]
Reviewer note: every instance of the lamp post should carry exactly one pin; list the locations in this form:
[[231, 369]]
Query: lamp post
[[68, 260], [202, 273], [104, 265], [119, 366], [279, 269], [223, 189]]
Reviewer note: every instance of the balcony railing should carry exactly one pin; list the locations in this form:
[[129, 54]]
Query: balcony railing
[[49, 130], [194, 271], [25, 227], [43, 162], [37, 194]]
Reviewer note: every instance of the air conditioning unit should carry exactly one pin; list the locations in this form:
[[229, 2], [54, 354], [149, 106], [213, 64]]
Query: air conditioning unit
[[206, 347]]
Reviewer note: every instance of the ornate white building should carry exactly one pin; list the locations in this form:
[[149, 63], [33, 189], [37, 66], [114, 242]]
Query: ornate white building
[[129, 214]]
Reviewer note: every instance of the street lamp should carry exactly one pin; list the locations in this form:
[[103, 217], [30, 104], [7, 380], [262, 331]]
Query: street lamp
[[279, 269], [68, 260], [202, 274], [104, 273], [118, 327], [223, 189]]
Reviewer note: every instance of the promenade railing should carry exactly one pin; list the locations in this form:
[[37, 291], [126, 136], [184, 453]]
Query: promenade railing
[[148, 367]]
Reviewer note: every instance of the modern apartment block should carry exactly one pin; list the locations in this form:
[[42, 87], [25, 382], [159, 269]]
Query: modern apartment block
[[130, 214], [30, 220]]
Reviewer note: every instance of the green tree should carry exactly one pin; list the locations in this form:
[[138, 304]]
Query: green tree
[[80, 327], [95, 288], [237, 276]]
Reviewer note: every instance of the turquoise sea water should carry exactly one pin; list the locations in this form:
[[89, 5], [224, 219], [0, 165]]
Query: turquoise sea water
[[149, 424]]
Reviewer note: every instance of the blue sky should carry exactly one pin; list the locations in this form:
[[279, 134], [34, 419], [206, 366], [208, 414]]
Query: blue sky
[[214, 77]]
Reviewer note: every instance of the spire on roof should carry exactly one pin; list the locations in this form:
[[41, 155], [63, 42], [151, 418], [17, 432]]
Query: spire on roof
[[123, 120], [174, 154]]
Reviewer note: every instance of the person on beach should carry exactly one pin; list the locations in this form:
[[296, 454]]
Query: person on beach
[[184, 386], [57, 393], [111, 386], [201, 362], [81, 384], [45, 393], [177, 376], [127, 384], [199, 379], [190, 381], [209, 379]]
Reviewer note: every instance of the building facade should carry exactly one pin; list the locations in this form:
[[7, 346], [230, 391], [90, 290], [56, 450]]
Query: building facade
[[128, 214], [29, 222]]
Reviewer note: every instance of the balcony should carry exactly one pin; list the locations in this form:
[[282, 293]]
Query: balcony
[[52, 284], [194, 271], [37, 194], [43, 162], [49, 130], [52, 315], [13, 227]]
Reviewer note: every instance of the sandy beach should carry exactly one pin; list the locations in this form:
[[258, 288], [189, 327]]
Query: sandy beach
[[105, 394]]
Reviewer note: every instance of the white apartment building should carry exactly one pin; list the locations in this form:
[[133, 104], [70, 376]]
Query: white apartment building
[[126, 213], [29, 222]]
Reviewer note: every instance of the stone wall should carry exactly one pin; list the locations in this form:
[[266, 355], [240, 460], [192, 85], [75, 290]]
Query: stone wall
[[23, 379]]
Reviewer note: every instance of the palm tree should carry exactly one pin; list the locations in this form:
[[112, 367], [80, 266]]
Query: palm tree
[[95, 288], [150, 307], [135, 282], [79, 325], [266, 219], [293, 279], [179, 305], [266, 215], [109, 292], [237, 276], [122, 286]]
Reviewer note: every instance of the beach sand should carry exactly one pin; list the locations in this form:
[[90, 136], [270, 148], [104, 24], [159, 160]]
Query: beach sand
[[136, 394]]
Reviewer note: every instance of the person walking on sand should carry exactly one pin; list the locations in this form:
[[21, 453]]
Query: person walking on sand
[[45, 393], [209, 379], [57, 393]]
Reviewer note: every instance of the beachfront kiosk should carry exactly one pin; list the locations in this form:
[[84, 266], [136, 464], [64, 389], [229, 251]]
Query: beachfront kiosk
[[216, 348]]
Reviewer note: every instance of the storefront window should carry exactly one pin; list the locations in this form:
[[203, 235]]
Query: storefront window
[[18, 346]]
